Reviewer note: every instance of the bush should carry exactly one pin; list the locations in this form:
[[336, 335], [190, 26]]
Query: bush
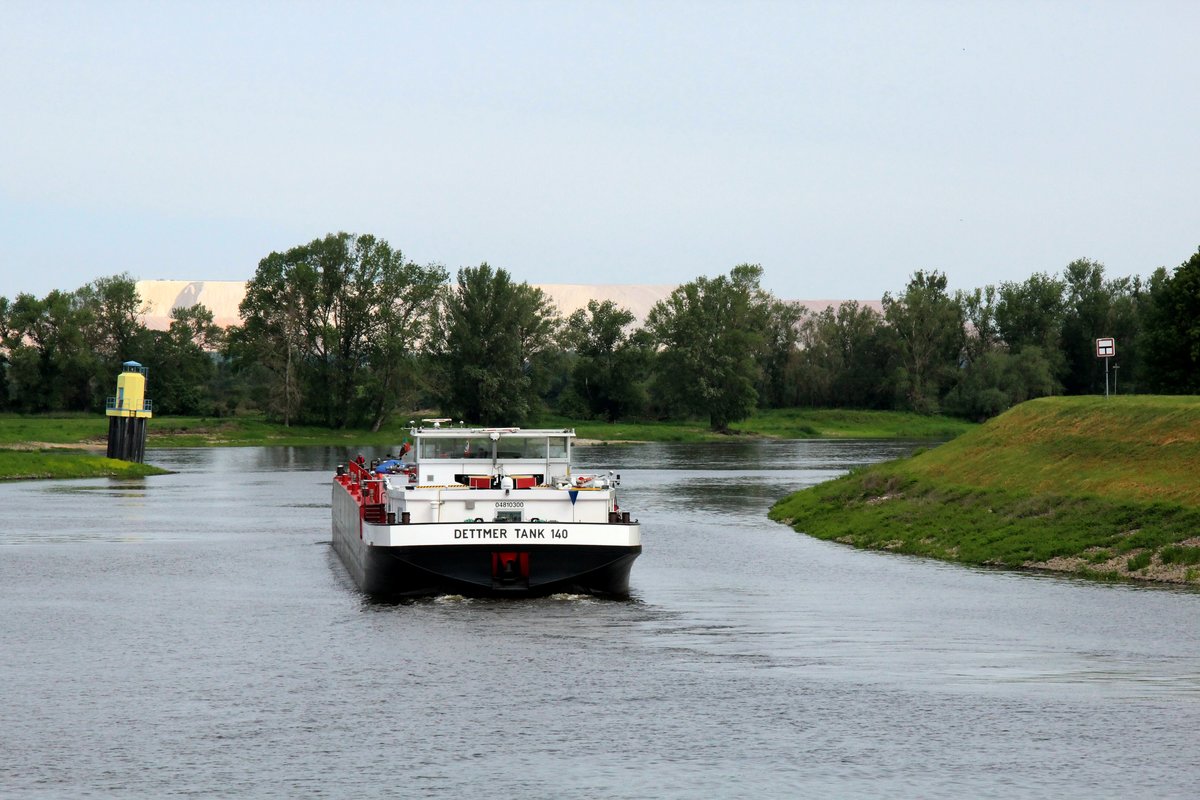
[[1179, 554], [1140, 561]]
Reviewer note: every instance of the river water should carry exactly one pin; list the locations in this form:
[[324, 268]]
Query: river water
[[193, 635]]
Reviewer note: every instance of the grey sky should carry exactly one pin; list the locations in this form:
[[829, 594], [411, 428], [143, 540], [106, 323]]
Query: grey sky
[[840, 145]]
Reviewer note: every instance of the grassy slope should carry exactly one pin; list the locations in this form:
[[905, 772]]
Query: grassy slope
[[1104, 488], [54, 429], [68, 445], [837, 423], [788, 423], [25, 464]]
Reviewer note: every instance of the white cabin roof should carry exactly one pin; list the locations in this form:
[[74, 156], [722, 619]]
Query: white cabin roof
[[506, 433]]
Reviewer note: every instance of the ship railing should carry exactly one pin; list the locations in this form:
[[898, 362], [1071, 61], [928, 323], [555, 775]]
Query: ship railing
[[110, 404], [369, 484]]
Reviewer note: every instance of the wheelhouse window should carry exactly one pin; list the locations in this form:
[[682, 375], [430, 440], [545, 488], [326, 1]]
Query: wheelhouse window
[[533, 448], [539, 448], [457, 448], [454, 448], [511, 447]]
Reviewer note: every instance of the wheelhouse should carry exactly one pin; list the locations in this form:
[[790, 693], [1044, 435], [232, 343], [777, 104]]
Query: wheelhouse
[[483, 457]]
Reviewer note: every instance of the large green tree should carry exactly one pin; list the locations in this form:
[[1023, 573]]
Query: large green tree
[[843, 359], [611, 359], [928, 327], [777, 358], [181, 363], [711, 333], [992, 377], [324, 316], [1030, 314], [5, 362], [981, 334], [1095, 308], [1171, 344], [996, 380], [401, 329], [267, 351], [64, 351], [52, 366], [111, 313], [1084, 320], [494, 340], [114, 313]]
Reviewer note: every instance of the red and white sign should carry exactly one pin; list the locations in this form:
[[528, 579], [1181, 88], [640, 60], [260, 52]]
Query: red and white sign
[[1106, 348]]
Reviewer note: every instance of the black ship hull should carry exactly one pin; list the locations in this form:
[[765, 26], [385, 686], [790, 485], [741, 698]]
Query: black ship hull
[[486, 570]]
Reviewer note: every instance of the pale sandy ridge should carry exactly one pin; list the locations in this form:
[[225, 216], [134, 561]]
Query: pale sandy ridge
[[223, 298]]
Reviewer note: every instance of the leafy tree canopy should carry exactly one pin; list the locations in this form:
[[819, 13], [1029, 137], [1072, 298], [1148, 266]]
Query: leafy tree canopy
[[711, 332], [324, 316], [495, 339], [928, 326], [1172, 329], [611, 360]]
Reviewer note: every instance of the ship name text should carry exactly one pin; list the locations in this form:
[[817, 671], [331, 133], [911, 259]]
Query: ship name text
[[498, 533]]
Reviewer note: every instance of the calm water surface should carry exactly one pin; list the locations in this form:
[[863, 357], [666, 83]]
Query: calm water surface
[[193, 635]]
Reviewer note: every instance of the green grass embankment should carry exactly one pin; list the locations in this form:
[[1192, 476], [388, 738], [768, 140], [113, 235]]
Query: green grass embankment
[[1100, 488], [51, 463], [71, 445], [840, 423], [784, 423], [91, 431]]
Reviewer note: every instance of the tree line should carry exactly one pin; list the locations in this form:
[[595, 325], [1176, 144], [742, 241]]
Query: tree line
[[62, 352], [344, 331]]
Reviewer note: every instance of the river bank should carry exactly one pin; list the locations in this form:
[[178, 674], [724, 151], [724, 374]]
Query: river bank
[[71, 461], [84, 434], [1098, 488]]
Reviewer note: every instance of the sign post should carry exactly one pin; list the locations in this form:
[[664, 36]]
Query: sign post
[[1106, 348]]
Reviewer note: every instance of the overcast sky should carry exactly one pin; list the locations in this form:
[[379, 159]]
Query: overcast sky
[[841, 145]]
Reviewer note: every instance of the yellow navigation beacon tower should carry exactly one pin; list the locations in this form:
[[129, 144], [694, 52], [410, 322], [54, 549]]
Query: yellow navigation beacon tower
[[127, 414]]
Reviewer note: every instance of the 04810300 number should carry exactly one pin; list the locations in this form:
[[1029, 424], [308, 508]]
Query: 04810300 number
[[510, 504]]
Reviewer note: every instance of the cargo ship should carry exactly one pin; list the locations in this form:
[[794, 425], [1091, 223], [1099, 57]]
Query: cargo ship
[[482, 512]]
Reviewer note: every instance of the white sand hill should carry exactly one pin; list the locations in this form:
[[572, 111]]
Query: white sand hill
[[223, 297]]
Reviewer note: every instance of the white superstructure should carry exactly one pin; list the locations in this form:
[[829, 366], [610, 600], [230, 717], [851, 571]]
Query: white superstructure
[[509, 494], [496, 475]]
